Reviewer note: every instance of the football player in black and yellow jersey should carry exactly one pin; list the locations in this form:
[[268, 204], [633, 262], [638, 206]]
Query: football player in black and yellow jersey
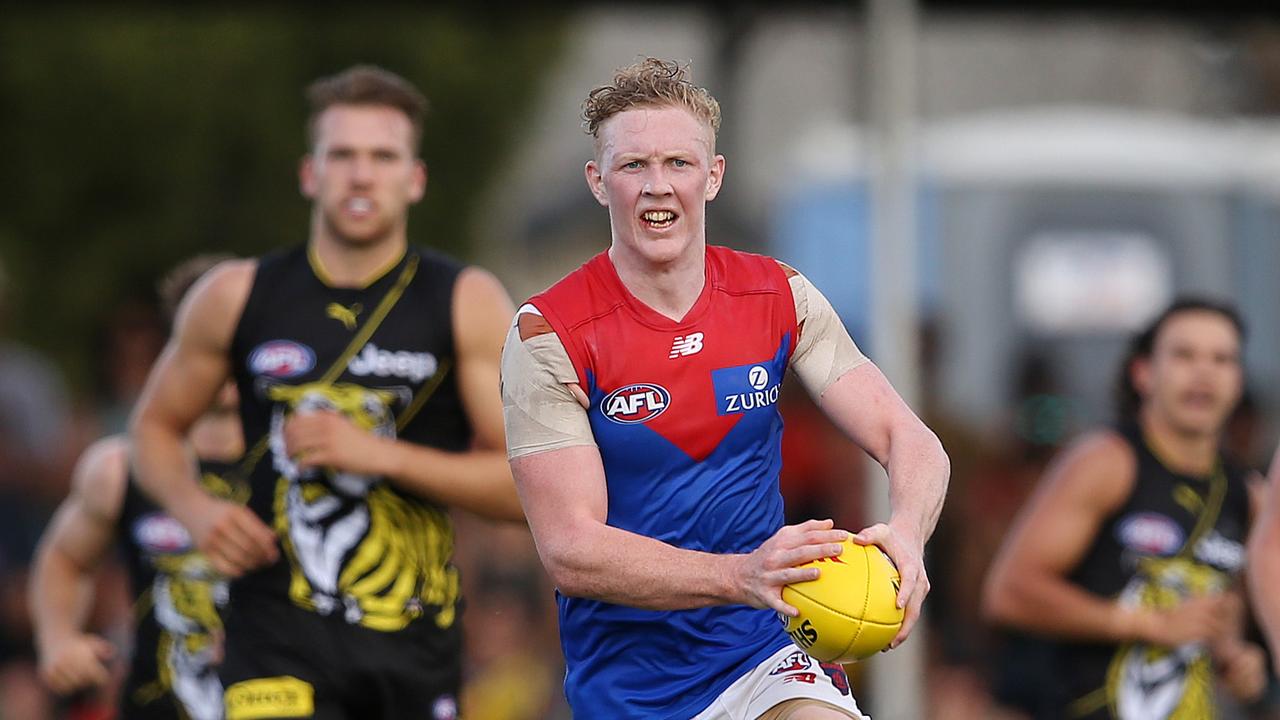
[[368, 373], [177, 640], [1131, 552]]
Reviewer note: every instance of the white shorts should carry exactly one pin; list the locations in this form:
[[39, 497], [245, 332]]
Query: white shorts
[[788, 674]]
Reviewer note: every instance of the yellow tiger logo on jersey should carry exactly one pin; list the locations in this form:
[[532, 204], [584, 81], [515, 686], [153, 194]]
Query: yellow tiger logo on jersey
[[1174, 683], [185, 598], [354, 545]]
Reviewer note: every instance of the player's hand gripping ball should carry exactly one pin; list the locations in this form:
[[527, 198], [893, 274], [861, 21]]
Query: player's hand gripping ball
[[851, 611]]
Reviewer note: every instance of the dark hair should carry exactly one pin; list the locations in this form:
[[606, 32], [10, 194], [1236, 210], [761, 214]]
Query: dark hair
[[178, 281], [366, 85], [1142, 344]]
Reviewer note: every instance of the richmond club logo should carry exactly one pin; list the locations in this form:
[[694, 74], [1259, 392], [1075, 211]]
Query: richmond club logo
[[638, 403]]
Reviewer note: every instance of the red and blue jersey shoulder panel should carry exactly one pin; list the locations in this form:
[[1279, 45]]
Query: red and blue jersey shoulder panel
[[590, 308], [576, 300], [744, 318], [738, 273], [581, 295]]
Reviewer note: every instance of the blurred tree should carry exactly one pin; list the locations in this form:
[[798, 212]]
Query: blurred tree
[[138, 136]]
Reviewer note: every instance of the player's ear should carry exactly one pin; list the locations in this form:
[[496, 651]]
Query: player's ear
[[418, 186], [595, 181], [715, 177], [1140, 374], [307, 177]]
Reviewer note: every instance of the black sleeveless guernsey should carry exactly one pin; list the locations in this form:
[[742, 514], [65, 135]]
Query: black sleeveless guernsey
[[1176, 536], [355, 547], [177, 600]]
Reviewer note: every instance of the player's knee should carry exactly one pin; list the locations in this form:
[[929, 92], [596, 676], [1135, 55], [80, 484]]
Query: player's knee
[[806, 710]]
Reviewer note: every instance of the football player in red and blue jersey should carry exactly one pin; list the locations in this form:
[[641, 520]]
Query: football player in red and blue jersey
[[640, 397]]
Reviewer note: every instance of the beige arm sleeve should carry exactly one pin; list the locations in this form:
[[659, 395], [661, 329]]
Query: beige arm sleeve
[[825, 351], [538, 408]]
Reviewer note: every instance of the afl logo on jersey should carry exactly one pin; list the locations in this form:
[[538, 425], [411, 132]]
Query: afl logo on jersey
[[1150, 534], [636, 403], [159, 534], [281, 359]]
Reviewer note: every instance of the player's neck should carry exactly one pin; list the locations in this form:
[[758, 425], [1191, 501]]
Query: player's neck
[[1184, 452], [354, 265], [669, 288], [216, 436]]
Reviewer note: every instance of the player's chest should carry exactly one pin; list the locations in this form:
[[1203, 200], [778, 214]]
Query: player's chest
[[1168, 518], [346, 338], [693, 386]]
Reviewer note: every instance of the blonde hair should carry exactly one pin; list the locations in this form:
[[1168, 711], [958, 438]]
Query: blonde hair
[[649, 83]]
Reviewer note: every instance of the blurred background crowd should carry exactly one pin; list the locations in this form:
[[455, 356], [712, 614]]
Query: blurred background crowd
[[1076, 166]]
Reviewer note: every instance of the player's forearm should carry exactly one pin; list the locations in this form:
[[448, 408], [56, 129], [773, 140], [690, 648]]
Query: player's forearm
[[600, 562], [60, 597], [1264, 579], [164, 467], [919, 472], [1053, 606], [478, 481], [863, 404]]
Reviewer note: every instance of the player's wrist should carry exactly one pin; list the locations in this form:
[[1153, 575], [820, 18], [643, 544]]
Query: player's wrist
[[908, 529], [384, 457], [188, 504], [51, 644], [1131, 624], [1226, 647], [731, 586]]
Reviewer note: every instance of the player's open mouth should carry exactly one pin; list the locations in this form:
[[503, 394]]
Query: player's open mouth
[[358, 206], [1199, 398], [658, 219]]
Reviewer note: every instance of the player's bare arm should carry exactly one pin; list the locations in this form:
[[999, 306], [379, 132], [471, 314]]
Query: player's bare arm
[[1264, 558], [565, 500], [181, 386], [865, 406], [857, 397], [1242, 665], [73, 545], [561, 480], [1028, 587], [478, 480]]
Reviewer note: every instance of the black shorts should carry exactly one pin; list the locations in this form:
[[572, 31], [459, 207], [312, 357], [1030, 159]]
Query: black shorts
[[285, 662], [145, 696], [164, 707]]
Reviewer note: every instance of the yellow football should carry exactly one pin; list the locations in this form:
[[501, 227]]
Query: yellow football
[[851, 611]]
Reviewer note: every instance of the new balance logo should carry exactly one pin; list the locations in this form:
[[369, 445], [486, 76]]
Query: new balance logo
[[690, 344]]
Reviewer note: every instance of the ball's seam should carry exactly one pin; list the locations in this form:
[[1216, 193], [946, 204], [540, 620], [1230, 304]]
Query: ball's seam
[[866, 601]]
